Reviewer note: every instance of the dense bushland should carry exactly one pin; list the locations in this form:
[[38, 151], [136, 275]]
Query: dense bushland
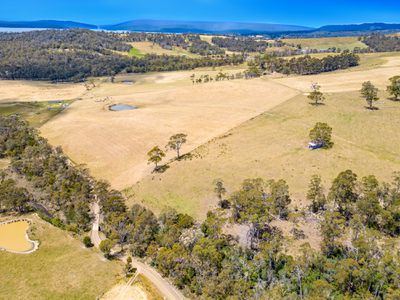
[[77, 54], [382, 43], [244, 44], [154, 63], [304, 65], [74, 55], [61, 190]]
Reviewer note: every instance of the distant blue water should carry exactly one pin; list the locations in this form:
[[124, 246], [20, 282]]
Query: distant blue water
[[6, 29], [121, 107]]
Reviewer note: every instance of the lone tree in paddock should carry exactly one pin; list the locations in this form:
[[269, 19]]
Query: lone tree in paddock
[[394, 87], [322, 134], [219, 189], [155, 156], [316, 96], [370, 93], [176, 142]]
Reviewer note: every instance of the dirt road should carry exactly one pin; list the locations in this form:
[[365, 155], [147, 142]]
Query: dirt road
[[95, 236], [164, 287]]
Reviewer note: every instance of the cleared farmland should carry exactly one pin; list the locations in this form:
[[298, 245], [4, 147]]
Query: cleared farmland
[[113, 145], [344, 43], [18, 90], [274, 145]]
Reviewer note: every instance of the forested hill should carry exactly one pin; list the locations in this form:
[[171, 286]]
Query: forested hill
[[75, 54], [343, 30]]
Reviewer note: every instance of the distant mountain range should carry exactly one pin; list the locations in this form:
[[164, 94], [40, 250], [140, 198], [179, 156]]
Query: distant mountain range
[[206, 27], [202, 27], [50, 24], [361, 27]]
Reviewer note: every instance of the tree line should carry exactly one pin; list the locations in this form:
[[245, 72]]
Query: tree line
[[156, 63], [221, 76], [304, 65], [382, 43]]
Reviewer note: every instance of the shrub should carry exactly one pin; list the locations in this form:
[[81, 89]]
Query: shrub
[[87, 242]]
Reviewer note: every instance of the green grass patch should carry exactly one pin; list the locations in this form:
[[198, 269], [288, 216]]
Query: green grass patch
[[36, 113], [135, 53]]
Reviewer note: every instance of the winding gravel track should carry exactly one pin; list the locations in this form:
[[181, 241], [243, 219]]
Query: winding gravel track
[[164, 287]]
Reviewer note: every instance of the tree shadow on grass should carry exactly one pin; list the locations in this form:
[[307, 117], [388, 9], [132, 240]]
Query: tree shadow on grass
[[187, 156], [316, 104], [372, 108], [161, 169], [394, 99]]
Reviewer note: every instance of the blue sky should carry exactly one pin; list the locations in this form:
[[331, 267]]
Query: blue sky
[[300, 12]]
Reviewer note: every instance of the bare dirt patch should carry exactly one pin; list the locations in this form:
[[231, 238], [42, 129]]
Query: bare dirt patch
[[14, 238], [123, 292]]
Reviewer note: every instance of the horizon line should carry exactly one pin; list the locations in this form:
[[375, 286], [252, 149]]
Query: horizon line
[[195, 21]]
